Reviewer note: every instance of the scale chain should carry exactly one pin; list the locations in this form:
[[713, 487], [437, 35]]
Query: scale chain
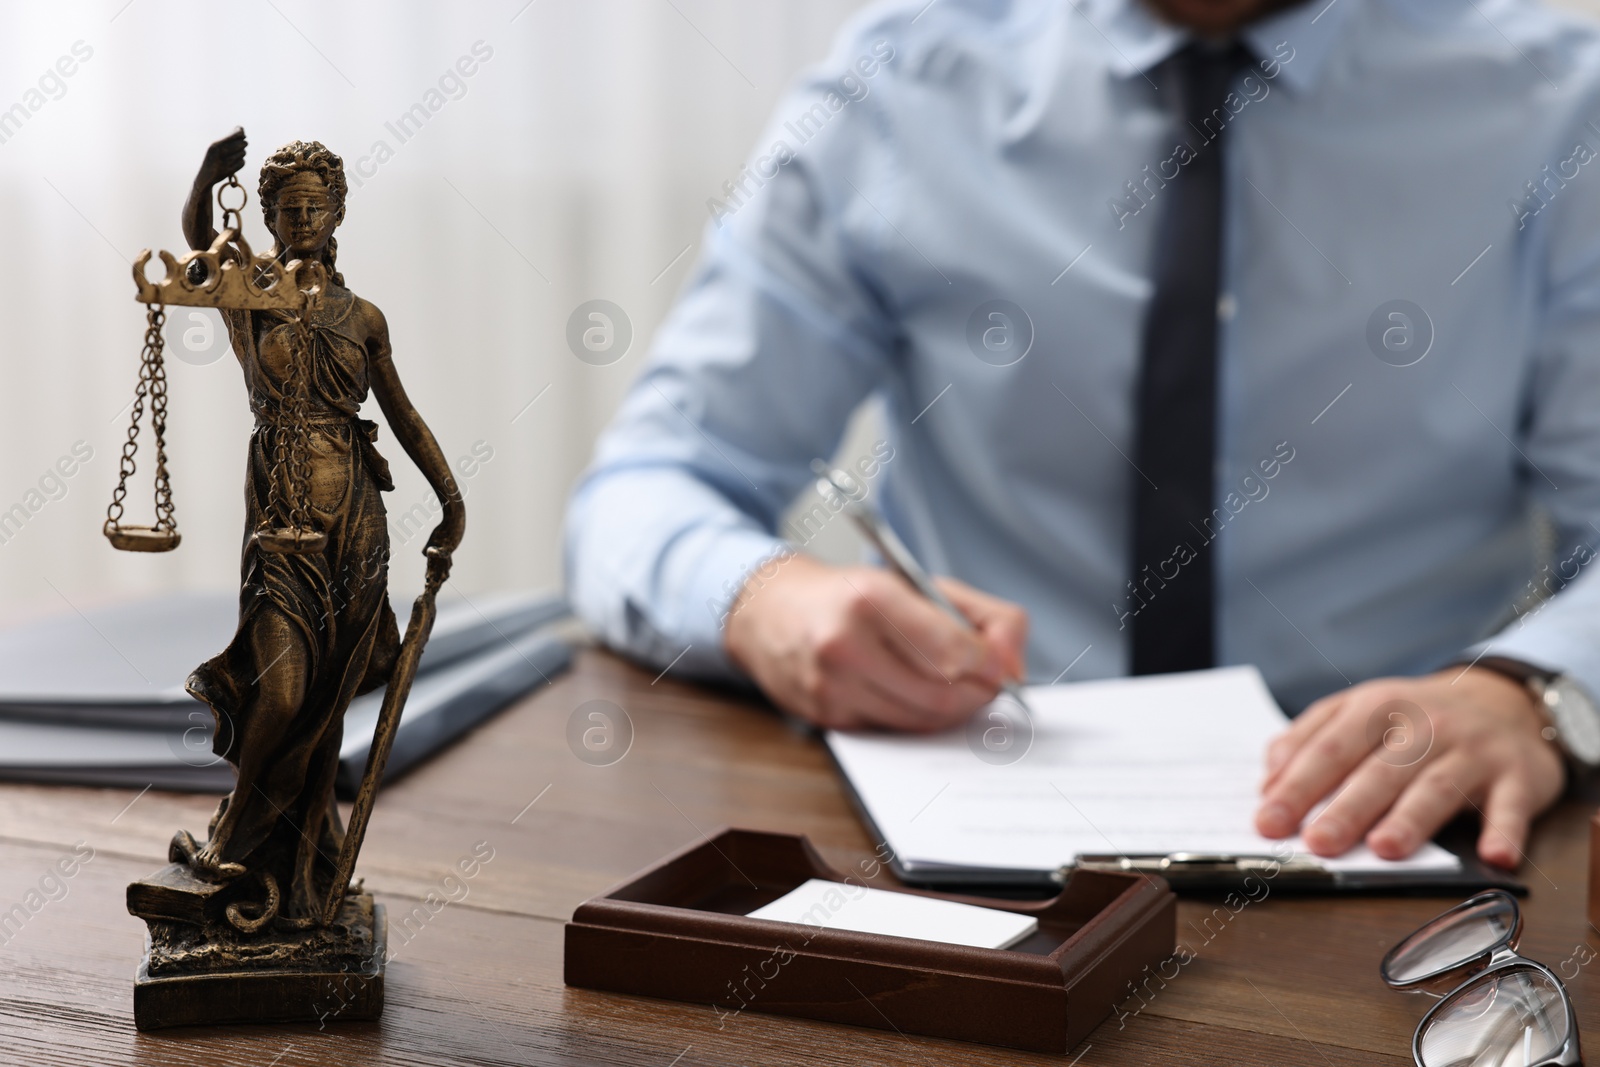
[[158, 424], [152, 387], [291, 445]]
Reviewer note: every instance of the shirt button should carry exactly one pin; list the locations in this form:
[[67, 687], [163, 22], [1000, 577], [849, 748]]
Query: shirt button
[[1226, 306]]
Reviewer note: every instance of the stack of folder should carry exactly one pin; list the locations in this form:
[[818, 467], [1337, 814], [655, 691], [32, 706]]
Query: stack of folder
[[97, 698]]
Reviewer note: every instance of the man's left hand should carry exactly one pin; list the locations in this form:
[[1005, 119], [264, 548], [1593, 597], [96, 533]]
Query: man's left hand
[[1401, 756]]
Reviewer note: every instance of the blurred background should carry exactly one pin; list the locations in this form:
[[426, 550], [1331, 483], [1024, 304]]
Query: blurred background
[[574, 163]]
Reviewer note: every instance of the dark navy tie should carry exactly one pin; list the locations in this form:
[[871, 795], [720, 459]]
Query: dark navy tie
[[1172, 584]]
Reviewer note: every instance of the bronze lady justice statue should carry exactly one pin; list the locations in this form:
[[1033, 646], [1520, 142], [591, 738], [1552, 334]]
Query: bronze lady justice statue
[[315, 626]]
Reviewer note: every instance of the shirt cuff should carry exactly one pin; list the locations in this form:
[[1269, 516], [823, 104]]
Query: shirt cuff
[[707, 573], [1549, 650]]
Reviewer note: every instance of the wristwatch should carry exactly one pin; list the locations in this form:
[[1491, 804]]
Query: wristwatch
[[1571, 714], [1574, 718]]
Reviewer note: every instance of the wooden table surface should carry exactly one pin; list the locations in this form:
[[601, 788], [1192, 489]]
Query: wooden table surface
[[477, 980]]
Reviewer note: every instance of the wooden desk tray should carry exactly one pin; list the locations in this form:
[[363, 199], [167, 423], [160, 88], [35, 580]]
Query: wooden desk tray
[[679, 931]]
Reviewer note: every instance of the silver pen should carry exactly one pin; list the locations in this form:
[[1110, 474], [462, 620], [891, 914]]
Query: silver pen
[[898, 556]]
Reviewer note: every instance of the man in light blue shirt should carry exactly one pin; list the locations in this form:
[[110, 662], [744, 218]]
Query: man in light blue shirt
[[959, 212]]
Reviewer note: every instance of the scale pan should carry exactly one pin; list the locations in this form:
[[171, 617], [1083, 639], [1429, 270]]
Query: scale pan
[[291, 540], [142, 538]]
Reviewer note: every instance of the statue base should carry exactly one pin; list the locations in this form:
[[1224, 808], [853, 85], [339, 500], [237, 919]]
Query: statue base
[[200, 971]]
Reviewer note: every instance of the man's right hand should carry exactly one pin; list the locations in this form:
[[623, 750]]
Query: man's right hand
[[858, 647]]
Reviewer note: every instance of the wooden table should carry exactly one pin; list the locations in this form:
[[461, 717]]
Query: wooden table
[[476, 972]]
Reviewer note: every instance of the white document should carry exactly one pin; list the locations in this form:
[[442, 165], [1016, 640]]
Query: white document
[[1128, 767], [841, 906]]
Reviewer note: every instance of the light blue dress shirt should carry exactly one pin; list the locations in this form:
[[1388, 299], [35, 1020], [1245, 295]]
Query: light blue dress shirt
[[1409, 350]]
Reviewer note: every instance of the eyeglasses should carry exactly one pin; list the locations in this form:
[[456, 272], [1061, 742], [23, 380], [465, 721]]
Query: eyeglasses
[[1509, 1011]]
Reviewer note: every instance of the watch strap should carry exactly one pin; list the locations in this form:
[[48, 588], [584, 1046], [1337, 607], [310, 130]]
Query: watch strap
[[1515, 669]]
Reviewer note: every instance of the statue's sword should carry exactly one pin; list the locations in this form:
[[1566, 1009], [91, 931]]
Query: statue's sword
[[418, 628]]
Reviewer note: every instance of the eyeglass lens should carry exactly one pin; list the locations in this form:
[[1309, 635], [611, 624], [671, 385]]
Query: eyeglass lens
[[1454, 937], [1510, 1018]]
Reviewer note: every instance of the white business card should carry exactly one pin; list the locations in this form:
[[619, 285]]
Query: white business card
[[841, 906]]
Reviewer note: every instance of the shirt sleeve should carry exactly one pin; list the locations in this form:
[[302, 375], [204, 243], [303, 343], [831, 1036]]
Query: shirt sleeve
[[756, 371], [1560, 443]]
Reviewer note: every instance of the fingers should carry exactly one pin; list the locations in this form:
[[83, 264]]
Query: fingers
[[896, 711], [925, 638], [1434, 796], [1363, 798], [1507, 814], [848, 704], [924, 704], [1003, 624], [1335, 748], [1301, 730], [863, 682]]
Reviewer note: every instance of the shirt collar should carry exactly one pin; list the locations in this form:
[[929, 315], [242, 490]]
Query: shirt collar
[[1139, 40]]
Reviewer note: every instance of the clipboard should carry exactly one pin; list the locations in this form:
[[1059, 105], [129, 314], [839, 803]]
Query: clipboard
[[1198, 873], [1151, 774]]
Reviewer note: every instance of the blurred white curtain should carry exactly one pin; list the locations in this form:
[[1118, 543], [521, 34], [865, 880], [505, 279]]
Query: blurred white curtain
[[573, 163]]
